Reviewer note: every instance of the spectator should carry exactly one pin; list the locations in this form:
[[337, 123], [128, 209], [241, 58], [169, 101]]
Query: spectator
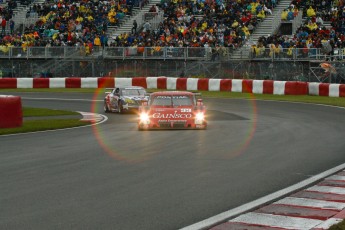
[[11, 26], [3, 26], [135, 26], [311, 12], [147, 27]]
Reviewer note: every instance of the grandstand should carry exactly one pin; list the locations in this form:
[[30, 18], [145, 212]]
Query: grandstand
[[204, 37]]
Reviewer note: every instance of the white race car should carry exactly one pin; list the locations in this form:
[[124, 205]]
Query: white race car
[[122, 99]]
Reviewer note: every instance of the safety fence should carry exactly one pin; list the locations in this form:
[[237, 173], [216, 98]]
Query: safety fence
[[168, 83], [167, 53]]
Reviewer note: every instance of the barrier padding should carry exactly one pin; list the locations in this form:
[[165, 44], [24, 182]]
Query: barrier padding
[[342, 91], [139, 81], [91, 82], [171, 83], [225, 85], [181, 84], [123, 82], [41, 82], [106, 82], [313, 88], [236, 86], [192, 83], [8, 83], [25, 83], [203, 84], [73, 82], [162, 83], [214, 85], [247, 86], [57, 83], [11, 114], [258, 86], [279, 87], [151, 82], [334, 90], [268, 87], [296, 88], [324, 89]]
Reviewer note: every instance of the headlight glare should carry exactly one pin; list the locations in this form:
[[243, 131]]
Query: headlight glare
[[200, 116]]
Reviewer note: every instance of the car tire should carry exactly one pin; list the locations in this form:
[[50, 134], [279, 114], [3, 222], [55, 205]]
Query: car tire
[[119, 107], [105, 107]]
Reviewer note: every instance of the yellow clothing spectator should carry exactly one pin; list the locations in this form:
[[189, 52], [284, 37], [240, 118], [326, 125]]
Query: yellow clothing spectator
[[261, 14], [234, 24], [284, 15], [97, 41], [312, 25], [311, 12]]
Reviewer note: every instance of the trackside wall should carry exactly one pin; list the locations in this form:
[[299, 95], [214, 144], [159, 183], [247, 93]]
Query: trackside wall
[[171, 83]]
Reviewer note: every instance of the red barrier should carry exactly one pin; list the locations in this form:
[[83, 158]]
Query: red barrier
[[8, 83], [268, 87], [73, 82], [247, 86], [203, 84], [161, 83], [106, 82], [139, 81], [181, 84], [225, 85], [324, 89], [296, 88], [342, 91], [11, 114], [40, 83]]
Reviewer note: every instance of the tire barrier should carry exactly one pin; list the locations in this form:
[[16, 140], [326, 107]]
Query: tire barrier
[[11, 114], [171, 83]]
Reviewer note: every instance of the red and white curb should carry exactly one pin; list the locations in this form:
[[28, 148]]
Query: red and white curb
[[315, 208], [315, 204]]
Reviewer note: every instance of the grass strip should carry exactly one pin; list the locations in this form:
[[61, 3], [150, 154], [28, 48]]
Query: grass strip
[[42, 125], [42, 112]]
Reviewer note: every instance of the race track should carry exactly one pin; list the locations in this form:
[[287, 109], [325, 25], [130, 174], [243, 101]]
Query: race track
[[112, 176]]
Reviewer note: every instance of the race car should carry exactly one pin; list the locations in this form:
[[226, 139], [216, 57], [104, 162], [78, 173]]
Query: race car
[[172, 110], [122, 99]]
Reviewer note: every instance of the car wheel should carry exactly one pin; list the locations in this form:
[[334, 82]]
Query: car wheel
[[106, 108], [119, 107]]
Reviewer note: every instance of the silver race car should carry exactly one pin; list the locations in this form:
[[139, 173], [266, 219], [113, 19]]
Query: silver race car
[[122, 99]]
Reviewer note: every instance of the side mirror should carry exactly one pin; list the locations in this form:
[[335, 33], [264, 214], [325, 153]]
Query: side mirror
[[199, 102]]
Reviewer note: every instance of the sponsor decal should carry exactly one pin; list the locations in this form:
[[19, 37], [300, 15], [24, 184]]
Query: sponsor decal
[[174, 115]]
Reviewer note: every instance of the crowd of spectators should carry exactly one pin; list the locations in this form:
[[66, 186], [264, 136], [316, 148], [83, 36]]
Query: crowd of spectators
[[313, 33], [201, 23]]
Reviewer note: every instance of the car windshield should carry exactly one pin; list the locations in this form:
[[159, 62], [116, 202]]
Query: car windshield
[[133, 92], [167, 100]]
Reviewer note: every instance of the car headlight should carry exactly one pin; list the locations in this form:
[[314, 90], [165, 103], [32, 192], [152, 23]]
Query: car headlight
[[144, 118], [200, 116]]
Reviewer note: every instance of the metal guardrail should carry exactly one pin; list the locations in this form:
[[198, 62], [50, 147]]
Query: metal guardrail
[[164, 53]]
